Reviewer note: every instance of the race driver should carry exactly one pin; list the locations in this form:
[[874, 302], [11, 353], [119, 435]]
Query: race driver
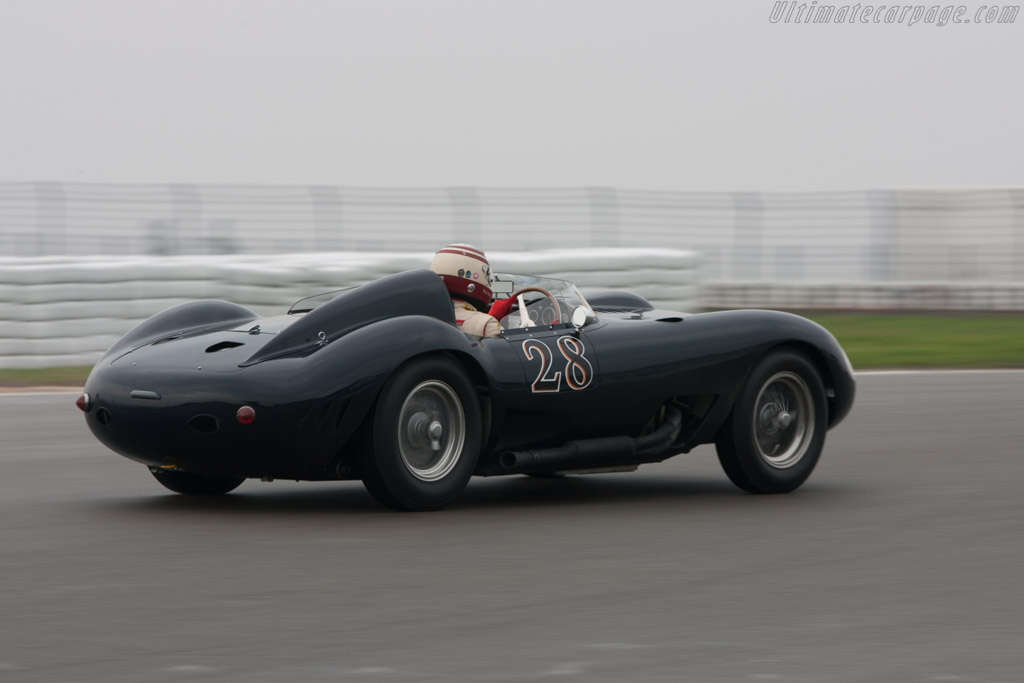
[[467, 275]]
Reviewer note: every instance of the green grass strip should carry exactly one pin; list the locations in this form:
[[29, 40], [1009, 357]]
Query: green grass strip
[[927, 340], [69, 376]]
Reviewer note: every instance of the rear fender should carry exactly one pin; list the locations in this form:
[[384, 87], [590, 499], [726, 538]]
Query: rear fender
[[182, 319], [410, 294], [357, 365]]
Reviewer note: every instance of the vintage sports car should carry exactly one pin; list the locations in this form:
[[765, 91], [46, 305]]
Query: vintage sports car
[[377, 383]]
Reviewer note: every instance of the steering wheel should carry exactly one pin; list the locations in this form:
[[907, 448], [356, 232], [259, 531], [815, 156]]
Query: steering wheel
[[540, 290]]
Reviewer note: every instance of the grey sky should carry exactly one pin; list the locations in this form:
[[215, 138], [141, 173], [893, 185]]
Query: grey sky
[[660, 95]]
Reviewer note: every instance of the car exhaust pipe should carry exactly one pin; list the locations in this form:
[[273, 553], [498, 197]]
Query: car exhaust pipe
[[596, 453]]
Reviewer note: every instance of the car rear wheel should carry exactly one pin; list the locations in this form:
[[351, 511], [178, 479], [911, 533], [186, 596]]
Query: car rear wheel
[[425, 436], [774, 436], [194, 484]]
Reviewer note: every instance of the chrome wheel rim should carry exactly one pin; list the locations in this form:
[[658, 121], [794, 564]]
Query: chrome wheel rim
[[431, 430], [783, 420]]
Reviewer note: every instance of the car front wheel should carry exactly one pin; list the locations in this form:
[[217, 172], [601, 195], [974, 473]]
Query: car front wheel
[[426, 436], [774, 436]]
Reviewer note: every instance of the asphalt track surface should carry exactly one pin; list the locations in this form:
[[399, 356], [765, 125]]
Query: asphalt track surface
[[900, 560]]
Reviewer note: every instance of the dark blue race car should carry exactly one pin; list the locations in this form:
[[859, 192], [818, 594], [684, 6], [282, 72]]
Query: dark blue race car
[[377, 383]]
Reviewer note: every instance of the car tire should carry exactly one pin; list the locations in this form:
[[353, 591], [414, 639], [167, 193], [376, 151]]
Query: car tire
[[425, 436], [193, 484], [773, 438]]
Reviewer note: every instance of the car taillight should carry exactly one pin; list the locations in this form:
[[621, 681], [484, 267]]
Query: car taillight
[[84, 402], [246, 415]]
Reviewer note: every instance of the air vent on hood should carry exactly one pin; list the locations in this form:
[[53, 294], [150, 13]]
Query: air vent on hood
[[220, 346]]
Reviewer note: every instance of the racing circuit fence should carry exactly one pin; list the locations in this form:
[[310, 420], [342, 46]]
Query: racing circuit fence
[[877, 236], [87, 260]]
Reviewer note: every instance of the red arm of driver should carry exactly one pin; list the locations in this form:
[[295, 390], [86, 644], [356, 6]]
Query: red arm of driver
[[501, 307]]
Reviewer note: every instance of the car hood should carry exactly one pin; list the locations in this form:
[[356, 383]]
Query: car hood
[[216, 350], [190, 336]]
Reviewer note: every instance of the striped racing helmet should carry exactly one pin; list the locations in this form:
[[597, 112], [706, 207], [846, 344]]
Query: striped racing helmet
[[466, 273]]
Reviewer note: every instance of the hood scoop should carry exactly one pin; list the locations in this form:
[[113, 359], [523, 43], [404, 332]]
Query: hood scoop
[[220, 346]]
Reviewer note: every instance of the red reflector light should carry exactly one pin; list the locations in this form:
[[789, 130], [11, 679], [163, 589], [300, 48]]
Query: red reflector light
[[84, 403], [246, 415]]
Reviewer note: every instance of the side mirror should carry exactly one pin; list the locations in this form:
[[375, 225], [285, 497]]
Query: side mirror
[[580, 316], [502, 286]]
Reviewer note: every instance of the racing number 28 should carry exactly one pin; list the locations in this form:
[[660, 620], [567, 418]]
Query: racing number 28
[[578, 371]]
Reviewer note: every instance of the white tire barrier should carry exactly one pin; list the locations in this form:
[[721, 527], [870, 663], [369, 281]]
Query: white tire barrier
[[67, 311]]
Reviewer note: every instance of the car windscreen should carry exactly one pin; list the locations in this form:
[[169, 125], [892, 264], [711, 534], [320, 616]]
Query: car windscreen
[[540, 309]]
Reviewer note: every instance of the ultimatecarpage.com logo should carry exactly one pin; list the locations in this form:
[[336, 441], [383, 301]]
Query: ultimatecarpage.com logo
[[795, 12]]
